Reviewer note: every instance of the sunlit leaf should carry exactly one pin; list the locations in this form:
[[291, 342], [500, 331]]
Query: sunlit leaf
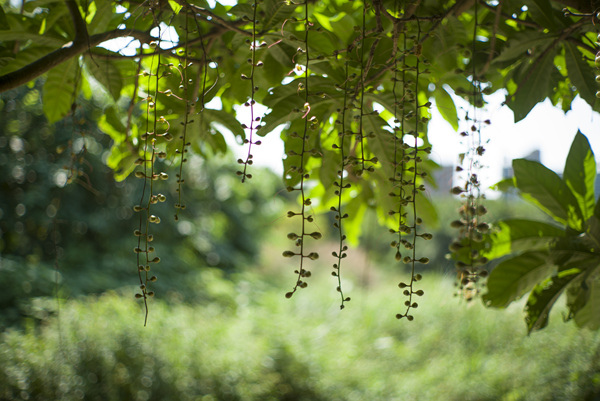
[[518, 235], [60, 90], [176, 7], [446, 107], [580, 174]]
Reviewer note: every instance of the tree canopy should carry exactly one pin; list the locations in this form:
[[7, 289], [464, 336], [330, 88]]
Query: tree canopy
[[351, 83]]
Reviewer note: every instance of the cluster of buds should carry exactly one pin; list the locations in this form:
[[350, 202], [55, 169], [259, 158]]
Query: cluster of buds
[[254, 120], [468, 248]]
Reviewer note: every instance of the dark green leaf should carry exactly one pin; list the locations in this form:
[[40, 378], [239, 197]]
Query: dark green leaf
[[593, 233], [3, 21], [587, 304], [543, 297], [276, 13], [25, 57], [242, 10], [581, 74], [514, 277], [518, 47], [580, 174], [541, 11], [546, 189], [533, 86], [40, 40]]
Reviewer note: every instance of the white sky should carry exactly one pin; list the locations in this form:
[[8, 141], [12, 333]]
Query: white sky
[[546, 129]]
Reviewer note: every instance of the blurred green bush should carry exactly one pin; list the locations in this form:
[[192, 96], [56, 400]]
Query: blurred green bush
[[253, 344], [85, 229]]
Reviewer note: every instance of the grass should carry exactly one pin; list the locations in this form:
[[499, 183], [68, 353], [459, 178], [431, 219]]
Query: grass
[[253, 344]]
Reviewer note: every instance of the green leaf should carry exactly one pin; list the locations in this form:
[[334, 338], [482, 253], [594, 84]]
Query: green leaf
[[519, 235], [175, 6], [519, 46], [107, 74], [543, 296], [3, 21], [381, 144], [276, 12], [25, 57], [227, 120], [102, 18], [241, 10], [353, 225], [341, 24], [331, 163], [514, 277], [505, 185], [593, 233], [111, 125], [39, 40], [580, 174], [122, 161], [60, 90], [580, 74], [426, 210], [446, 107], [281, 102], [541, 11], [533, 86], [589, 300], [545, 188]]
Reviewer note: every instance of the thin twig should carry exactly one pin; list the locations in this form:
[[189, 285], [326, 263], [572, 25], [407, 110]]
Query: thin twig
[[68, 51], [214, 18], [529, 24], [488, 62]]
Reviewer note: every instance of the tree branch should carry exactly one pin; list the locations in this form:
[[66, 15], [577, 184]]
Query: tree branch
[[529, 24], [69, 50], [213, 17], [584, 6], [81, 33]]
